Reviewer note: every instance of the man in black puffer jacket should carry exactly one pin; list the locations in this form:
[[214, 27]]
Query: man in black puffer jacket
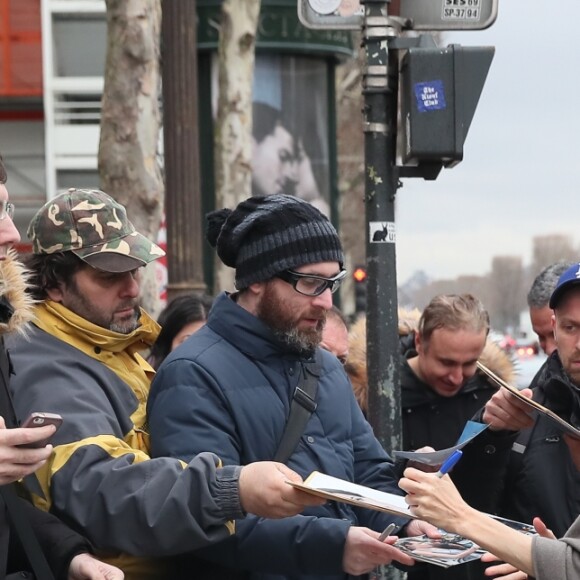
[[542, 480], [441, 389]]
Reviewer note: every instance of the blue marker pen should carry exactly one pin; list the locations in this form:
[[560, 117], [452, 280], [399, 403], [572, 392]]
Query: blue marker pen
[[449, 463]]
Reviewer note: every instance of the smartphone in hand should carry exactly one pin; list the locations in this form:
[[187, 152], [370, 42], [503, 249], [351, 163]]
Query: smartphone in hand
[[41, 420]]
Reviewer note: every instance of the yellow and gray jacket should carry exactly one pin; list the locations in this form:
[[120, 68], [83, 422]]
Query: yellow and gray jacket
[[100, 478]]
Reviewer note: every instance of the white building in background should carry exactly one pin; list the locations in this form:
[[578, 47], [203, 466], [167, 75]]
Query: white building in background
[[52, 58]]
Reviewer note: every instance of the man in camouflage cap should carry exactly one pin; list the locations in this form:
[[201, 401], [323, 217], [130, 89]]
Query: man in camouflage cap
[[82, 360], [83, 227], [94, 227]]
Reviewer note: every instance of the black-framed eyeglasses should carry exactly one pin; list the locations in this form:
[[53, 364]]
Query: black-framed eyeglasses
[[309, 284], [6, 209]]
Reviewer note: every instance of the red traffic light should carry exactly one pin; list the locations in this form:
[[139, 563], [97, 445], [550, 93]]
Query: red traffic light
[[360, 274]]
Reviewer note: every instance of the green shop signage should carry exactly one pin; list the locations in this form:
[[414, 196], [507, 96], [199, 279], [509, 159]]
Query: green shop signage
[[279, 30]]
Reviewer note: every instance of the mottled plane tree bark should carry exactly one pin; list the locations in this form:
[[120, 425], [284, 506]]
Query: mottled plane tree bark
[[233, 134]]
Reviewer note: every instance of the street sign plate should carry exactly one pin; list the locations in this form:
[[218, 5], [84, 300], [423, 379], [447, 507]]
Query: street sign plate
[[348, 15], [421, 14]]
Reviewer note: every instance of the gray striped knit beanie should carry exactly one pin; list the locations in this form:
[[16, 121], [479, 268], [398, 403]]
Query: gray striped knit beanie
[[265, 235]]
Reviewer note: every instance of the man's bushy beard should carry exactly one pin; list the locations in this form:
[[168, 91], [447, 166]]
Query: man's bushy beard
[[83, 308], [276, 314], [127, 326]]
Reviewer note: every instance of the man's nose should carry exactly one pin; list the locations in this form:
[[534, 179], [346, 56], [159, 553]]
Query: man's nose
[[291, 170], [456, 375], [131, 286], [324, 300], [8, 233]]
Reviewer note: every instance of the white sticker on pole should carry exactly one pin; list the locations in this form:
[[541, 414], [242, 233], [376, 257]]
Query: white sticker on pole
[[382, 232]]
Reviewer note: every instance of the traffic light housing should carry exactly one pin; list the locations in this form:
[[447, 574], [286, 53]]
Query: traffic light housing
[[360, 276], [440, 89]]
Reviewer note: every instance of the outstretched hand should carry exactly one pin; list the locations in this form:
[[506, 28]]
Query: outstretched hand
[[363, 552], [423, 466], [505, 411], [503, 571], [264, 491], [420, 527], [433, 498], [87, 567]]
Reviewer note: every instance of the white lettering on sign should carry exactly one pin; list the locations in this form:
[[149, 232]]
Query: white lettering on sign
[[430, 97], [461, 9]]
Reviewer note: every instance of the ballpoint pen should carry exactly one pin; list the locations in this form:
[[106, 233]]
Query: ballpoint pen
[[387, 532], [449, 463]]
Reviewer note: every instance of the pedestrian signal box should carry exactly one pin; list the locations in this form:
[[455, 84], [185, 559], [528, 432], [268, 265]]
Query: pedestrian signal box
[[440, 89]]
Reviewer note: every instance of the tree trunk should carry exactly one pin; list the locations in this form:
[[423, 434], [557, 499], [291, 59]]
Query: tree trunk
[[233, 143], [130, 120]]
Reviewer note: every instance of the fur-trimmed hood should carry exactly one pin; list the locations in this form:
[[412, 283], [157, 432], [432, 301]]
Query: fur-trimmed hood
[[493, 357], [13, 282]]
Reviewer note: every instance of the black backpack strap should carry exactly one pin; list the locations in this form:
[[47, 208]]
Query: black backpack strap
[[302, 406], [26, 534]]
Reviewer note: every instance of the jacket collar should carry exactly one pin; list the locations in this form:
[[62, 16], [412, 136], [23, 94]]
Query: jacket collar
[[245, 331], [559, 393], [56, 319], [16, 308]]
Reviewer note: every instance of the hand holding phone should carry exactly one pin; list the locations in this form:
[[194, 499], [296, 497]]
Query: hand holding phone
[[41, 420]]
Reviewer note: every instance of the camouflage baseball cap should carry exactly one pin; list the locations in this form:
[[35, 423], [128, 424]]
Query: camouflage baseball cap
[[92, 225]]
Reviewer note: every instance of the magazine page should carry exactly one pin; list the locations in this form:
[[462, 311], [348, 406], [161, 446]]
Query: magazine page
[[558, 421], [435, 458], [527, 529], [341, 490], [449, 550]]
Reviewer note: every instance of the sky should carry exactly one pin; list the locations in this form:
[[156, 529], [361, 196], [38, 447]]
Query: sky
[[520, 173]]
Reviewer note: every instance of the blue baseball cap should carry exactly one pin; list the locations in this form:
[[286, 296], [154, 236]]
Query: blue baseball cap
[[569, 279]]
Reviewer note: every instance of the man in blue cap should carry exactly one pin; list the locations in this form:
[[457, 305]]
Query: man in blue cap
[[542, 480]]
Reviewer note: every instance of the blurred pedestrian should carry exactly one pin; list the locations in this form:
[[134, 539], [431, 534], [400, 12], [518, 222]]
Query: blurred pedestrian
[[87, 334], [335, 334], [183, 316], [538, 299]]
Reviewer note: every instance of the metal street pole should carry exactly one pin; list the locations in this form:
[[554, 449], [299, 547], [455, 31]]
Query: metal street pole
[[380, 87], [180, 132]]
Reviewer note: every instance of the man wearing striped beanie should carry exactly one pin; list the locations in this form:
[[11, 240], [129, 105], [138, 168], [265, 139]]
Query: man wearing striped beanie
[[231, 385]]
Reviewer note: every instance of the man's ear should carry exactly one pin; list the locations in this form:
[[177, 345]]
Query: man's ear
[[55, 294], [257, 288], [250, 297], [418, 342]]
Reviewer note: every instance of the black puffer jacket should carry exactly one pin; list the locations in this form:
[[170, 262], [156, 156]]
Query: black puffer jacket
[[430, 419], [58, 542], [542, 479]]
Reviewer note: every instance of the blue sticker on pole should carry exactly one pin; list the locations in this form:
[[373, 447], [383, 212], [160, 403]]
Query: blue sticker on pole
[[430, 96]]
